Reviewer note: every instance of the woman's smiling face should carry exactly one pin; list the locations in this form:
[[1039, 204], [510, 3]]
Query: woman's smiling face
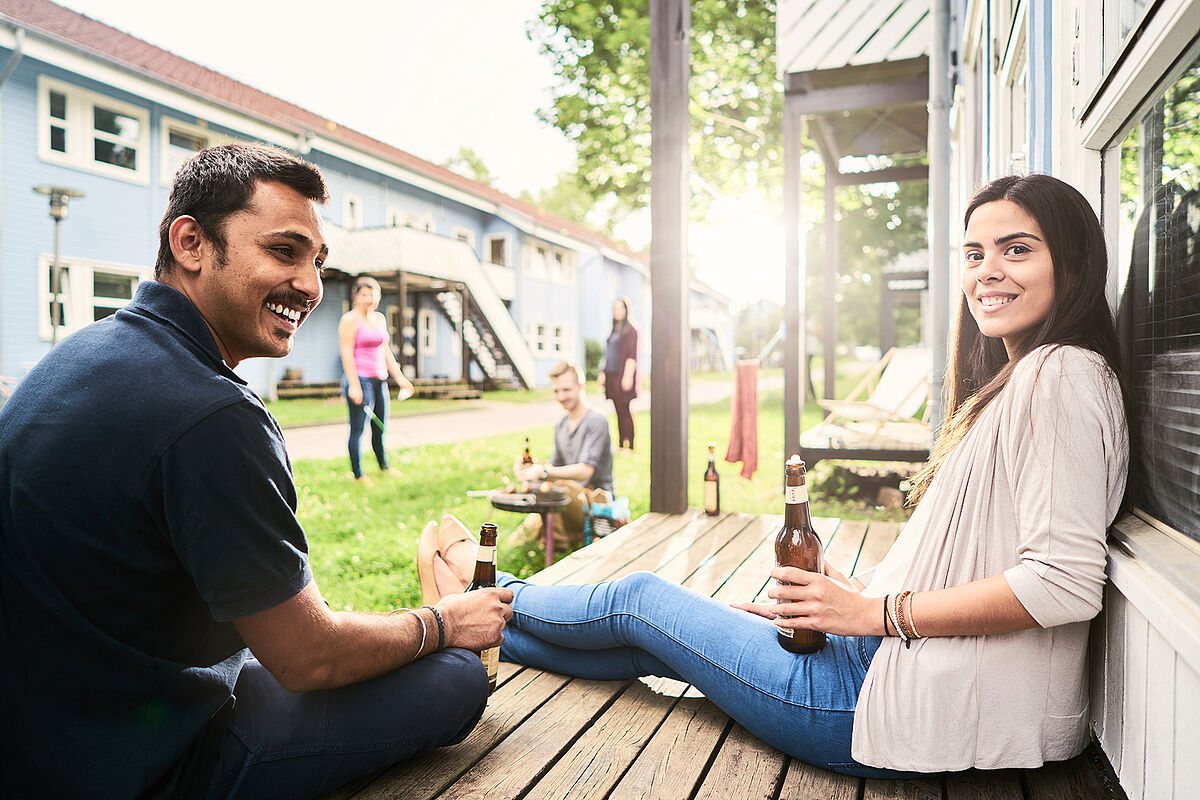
[[1008, 276]]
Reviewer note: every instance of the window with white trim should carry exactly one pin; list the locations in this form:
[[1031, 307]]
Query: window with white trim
[[92, 132], [352, 212], [181, 141], [426, 332], [536, 260], [560, 341], [496, 249], [537, 334], [465, 236], [88, 291]]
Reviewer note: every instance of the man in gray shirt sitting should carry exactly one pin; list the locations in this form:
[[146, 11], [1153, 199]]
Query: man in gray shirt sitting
[[581, 463]]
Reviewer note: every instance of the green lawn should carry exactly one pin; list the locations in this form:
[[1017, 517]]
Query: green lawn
[[363, 541], [295, 412]]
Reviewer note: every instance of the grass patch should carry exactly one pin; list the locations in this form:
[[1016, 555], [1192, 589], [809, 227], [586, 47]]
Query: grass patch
[[363, 541]]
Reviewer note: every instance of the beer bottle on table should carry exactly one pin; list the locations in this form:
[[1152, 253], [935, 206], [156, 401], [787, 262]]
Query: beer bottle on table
[[485, 577], [526, 458], [797, 545], [712, 486]]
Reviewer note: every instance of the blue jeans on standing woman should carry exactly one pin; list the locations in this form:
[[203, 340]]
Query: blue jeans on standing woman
[[643, 625], [375, 396]]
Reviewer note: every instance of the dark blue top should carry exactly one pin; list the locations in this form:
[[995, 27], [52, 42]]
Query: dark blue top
[[146, 500]]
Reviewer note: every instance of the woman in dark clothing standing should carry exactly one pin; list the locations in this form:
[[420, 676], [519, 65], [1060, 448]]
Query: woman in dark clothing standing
[[618, 371]]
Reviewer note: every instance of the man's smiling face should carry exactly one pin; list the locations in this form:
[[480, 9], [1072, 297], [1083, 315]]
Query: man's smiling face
[[256, 294]]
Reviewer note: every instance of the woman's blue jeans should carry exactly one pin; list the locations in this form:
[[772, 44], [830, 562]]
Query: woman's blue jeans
[[643, 625], [375, 397]]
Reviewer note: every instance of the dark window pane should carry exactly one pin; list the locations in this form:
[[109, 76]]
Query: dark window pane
[[116, 154], [58, 105], [100, 312], [58, 139], [1159, 255], [115, 123], [118, 287]]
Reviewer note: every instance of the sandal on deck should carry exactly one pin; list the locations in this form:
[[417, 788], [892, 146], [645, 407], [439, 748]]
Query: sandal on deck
[[450, 532], [427, 548]]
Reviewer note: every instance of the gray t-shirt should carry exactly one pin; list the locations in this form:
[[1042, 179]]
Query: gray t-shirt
[[588, 444]]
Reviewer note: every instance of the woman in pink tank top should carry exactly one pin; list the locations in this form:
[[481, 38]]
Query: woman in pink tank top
[[367, 361]]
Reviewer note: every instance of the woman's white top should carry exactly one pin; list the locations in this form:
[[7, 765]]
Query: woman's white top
[[1029, 493]]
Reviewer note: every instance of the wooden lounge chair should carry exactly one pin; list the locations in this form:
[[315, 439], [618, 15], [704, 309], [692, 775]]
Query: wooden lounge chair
[[878, 419]]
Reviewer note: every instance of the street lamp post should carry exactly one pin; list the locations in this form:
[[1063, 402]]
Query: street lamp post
[[59, 196]]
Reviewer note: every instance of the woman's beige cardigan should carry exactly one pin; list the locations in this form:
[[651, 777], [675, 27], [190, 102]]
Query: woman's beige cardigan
[[1029, 493]]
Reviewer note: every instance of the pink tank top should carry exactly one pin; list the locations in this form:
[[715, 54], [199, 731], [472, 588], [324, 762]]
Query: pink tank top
[[369, 361]]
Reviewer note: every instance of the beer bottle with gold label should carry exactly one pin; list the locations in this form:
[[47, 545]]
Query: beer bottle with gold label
[[797, 545], [712, 486], [485, 577]]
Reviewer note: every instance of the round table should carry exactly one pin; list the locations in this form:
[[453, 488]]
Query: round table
[[544, 503]]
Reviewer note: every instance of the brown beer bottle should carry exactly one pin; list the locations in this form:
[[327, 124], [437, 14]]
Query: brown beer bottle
[[485, 577], [797, 545], [712, 486], [526, 457]]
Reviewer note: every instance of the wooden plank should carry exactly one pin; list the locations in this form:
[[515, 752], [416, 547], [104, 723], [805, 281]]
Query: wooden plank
[[915, 789], [1097, 655], [975, 784], [1074, 779], [426, 777], [804, 781], [600, 757], [1160, 711], [601, 557], [515, 763], [674, 761], [842, 545], [744, 766], [1133, 731], [878, 540], [1187, 729]]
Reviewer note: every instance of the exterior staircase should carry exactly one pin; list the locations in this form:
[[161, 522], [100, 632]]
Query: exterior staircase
[[480, 338]]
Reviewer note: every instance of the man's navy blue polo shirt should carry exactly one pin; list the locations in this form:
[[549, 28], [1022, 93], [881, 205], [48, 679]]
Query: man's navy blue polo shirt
[[146, 500]]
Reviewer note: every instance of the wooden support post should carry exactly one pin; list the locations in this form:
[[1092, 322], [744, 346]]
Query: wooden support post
[[829, 285], [463, 300], [795, 365], [670, 23]]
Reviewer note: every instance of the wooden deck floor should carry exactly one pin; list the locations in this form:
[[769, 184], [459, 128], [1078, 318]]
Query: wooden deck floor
[[546, 736]]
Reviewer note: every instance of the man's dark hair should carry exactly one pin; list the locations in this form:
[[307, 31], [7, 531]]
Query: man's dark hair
[[219, 181]]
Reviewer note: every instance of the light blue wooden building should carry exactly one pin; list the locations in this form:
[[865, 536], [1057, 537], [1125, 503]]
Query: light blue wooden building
[[475, 283]]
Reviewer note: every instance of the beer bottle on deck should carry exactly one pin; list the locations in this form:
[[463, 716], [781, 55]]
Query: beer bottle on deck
[[526, 457], [797, 545], [712, 486], [485, 577]]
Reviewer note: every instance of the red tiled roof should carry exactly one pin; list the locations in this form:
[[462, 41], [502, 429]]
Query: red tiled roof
[[91, 36]]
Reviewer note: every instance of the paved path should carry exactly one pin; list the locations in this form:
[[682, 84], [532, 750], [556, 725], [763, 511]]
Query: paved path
[[477, 419]]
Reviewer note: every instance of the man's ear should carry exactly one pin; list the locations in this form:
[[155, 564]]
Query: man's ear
[[188, 243]]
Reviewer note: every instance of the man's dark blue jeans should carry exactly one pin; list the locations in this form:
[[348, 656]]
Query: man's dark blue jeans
[[281, 744]]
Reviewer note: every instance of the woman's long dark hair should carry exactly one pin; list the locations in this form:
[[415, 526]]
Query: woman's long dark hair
[[980, 367], [616, 326]]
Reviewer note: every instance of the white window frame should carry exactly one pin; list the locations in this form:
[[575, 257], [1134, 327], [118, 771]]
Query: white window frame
[[506, 238], [200, 131], [464, 235], [426, 332], [78, 298], [537, 261], [537, 333], [352, 211], [81, 133], [562, 341]]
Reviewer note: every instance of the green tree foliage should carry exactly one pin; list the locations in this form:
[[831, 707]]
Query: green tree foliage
[[875, 227], [570, 200], [468, 163], [601, 53]]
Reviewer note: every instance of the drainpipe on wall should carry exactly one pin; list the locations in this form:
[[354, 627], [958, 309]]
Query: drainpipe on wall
[[10, 66], [939, 202]]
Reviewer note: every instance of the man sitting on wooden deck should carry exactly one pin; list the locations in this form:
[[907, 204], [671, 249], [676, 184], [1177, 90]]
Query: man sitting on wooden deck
[[149, 543]]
